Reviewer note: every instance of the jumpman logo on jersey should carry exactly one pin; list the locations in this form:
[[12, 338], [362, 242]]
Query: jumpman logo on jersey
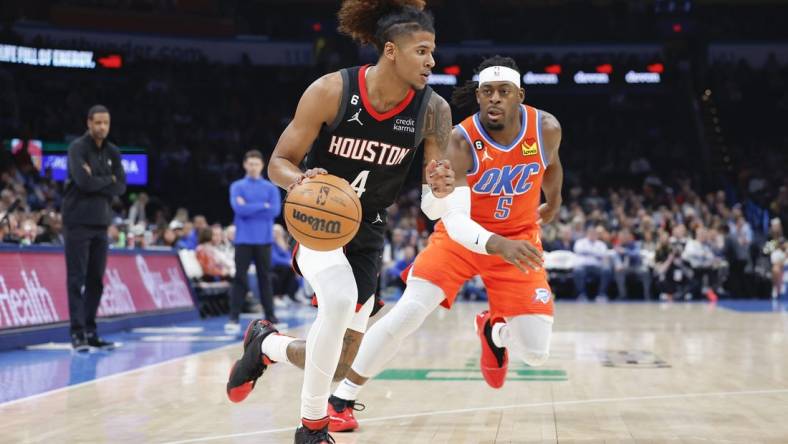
[[486, 156], [377, 219], [356, 118]]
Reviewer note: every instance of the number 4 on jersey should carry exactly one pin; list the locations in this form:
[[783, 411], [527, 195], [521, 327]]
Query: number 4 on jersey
[[360, 182]]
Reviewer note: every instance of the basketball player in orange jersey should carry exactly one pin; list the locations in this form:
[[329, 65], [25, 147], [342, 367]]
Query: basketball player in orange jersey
[[489, 227], [363, 124]]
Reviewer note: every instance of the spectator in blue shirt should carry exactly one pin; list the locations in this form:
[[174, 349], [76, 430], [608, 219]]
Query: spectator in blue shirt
[[396, 269], [630, 261], [189, 241], [564, 241], [256, 203], [285, 281]]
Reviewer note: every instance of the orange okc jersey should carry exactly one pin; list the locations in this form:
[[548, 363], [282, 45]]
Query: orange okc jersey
[[506, 181], [505, 184]]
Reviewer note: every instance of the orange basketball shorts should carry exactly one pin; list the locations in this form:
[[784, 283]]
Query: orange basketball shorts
[[510, 292]]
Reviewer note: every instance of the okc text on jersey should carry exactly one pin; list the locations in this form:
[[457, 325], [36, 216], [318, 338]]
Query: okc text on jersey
[[508, 180]]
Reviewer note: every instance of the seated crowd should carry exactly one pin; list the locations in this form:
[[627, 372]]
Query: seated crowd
[[660, 241]]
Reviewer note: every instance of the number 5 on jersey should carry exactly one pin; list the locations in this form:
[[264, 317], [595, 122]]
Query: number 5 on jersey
[[360, 182], [503, 208]]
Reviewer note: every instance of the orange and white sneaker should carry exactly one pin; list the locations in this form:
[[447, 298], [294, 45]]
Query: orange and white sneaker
[[340, 414], [494, 361]]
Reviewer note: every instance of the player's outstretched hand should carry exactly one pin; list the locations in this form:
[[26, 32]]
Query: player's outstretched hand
[[440, 177], [522, 254], [308, 174]]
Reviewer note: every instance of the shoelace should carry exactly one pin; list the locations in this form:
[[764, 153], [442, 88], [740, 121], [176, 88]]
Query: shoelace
[[320, 436], [357, 406]]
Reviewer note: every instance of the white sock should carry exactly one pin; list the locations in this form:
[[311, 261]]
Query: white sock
[[275, 347], [347, 390], [498, 332]]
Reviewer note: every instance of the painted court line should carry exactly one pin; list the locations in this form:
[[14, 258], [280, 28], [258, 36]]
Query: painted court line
[[168, 330], [502, 407]]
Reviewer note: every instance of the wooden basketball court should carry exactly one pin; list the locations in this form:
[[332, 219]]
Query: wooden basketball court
[[618, 373]]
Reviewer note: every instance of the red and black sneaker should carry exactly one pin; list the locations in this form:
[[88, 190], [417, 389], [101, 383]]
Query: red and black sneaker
[[252, 364], [313, 432], [494, 362], [340, 414]]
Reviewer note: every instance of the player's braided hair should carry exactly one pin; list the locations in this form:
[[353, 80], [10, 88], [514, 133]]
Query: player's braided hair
[[464, 97], [380, 21]]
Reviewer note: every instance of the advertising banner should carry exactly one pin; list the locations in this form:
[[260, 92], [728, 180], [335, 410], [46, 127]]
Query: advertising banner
[[135, 166], [149, 47], [33, 286]]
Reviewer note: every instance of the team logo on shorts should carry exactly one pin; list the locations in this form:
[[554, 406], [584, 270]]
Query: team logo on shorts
[[542, 295], [478, 144]]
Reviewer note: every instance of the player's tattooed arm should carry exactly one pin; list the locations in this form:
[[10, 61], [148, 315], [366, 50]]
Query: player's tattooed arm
[[554, 174], [437, 124], [437, 131]]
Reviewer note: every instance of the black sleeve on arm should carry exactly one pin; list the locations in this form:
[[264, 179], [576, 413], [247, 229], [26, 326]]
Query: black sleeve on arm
[[118, 187], [84, 181]]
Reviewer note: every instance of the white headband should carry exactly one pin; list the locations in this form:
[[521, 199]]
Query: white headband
[[499, 74]]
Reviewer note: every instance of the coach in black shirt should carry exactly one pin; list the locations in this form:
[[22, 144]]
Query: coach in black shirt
[[95, 177]]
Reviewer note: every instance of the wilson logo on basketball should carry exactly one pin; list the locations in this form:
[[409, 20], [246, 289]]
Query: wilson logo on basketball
[[318, 223], [323, 213]]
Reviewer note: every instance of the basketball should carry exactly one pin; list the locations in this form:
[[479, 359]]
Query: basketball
[[323, 213]]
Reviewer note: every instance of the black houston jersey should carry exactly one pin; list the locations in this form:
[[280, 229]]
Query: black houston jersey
[[370, 150]]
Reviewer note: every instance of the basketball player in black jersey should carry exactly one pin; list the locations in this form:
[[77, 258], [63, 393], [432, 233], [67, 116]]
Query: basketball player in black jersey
[[363, 124]]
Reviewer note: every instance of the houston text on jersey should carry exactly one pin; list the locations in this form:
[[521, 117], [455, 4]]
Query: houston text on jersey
[[367, 150]]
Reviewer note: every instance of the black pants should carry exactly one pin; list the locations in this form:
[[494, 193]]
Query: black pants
[[737, 284], [86, 260], [244, 254], [284, 281], [698, 275], [673, 281]]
